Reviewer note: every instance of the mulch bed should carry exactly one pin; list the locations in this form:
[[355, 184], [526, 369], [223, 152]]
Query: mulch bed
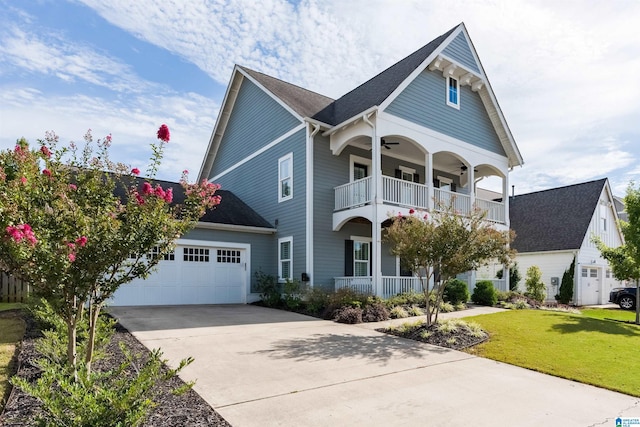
[[188, 409], [457, 340]]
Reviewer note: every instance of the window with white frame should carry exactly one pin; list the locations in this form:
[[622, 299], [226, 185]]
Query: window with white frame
[[285, 258], [285, 177], [361, 257], [603, 218], [453, 92]]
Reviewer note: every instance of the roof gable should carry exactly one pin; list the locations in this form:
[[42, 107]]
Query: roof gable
[[555, 219]]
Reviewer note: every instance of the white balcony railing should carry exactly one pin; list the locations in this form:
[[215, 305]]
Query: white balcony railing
[[353, 194], [394, 285], [444, 198], [404, 193], [495, 210]]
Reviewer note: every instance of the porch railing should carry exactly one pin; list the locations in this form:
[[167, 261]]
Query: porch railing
[[360, 284], [495, 210], [404, 193], [394, 285], [353, 194], [444, 198]]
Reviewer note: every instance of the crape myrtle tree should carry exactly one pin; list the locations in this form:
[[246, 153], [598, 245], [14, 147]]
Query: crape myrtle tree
[[625, 260], [77, 225], [438, 246]]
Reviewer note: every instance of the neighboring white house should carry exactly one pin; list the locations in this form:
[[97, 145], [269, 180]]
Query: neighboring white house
[[554, 226]]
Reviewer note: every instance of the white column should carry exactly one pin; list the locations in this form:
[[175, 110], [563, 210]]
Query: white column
[[376, 232], [428, 180], [505, 197], [472, 186]]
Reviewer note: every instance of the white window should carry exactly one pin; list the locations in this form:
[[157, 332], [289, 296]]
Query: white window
[[285, 177], [603, 218], [361, 256], [453, 92], [285, 258], [608, 274]]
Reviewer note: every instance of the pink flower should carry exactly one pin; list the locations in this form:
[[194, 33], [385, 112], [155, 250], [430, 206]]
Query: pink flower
[[185, 172], [23, 180], [21, 232], [168, 195], [163, 133], [81, 241], [411, 211], [135, 171], [146, 188], [107, 140], [72, 257], [71, 245], [159, 192], [45, 151], [46, 172], [425, 217], [139, 198], [73, 187]]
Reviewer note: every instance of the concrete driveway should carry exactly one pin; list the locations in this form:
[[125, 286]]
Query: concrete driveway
[[264, 367]]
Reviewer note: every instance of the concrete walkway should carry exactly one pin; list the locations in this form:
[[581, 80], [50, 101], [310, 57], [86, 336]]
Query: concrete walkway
[[264, 367]]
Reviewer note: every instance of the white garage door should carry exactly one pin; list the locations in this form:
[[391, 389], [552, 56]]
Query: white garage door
[[192, 274]]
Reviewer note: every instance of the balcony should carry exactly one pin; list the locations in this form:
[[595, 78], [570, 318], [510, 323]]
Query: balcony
[[400, 193]]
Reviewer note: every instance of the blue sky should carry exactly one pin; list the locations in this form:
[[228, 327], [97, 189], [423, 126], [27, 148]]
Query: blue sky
[[565, 73]]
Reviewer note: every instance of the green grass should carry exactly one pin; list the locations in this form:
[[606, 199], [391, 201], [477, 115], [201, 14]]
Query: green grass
[[574, 346], [10, 305], [610, 313], [12, 330]]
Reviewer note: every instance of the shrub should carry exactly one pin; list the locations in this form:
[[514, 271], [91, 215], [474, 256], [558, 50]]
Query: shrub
[[293, 292], [376, 312], [460, 306], [317, 300], [565, 293], [414, 310], [269, 289], [398, 312], [446, 307], [343, 297], [535, 287], [456, 291], [350, 315], [407, 298], [514, 277], [484, 293]]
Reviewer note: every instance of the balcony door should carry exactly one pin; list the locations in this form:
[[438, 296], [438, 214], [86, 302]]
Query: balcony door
[[360, 169], [407, 189]]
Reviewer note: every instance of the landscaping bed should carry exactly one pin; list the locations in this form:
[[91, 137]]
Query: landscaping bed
[[453, 333], [187, 409]]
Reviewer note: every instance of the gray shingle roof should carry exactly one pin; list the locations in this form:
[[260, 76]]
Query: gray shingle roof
[[372, 92], [555, 219], [230, 211]]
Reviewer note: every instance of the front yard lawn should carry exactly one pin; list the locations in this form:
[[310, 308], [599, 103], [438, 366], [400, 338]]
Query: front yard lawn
[[572, 346], [12, 327], [610, 313]]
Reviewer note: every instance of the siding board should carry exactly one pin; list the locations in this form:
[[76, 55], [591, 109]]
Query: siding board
[[460, 51]]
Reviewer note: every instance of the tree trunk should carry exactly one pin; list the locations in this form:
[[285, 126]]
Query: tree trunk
[[637, 301], [94, 312], [71, 346], [425, 288]]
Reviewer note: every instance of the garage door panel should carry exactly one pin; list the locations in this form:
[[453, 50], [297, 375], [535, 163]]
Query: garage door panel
[[196, 275]]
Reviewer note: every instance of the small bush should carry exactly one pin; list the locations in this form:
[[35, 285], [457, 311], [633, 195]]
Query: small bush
[[344, 297], [456, 291], [407, 298], [269, 289], [536, 289], [376, 312], [484, 293], [350, 315], [317, 301], [293, 293], [446, 307], [460, 306], [398, 312], [414, 310]]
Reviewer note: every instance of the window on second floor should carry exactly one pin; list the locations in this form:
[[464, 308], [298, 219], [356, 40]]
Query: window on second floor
[[453, 92], [285, 177], [603, 218]]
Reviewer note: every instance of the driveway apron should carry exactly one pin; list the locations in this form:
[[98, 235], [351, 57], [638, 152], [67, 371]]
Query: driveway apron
[[263, 367]]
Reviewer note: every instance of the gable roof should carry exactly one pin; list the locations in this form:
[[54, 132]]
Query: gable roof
[[376, 90], [555, 219], [231, 211]]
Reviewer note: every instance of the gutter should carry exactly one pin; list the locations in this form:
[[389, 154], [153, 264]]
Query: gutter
[[234, 227]]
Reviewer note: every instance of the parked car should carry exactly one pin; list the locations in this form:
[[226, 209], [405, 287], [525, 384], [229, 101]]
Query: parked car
[[624, 297]]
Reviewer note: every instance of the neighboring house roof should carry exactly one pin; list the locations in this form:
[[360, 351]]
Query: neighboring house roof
[[555, 219], [620, 208], [231, 210]]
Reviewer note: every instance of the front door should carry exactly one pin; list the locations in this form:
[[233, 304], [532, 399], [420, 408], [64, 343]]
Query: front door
[[590, 284], [360, 190]]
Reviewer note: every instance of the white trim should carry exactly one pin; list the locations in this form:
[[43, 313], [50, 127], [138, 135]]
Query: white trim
[[455, 105], [309, 199], [257, 153], [367, 240], [280, 260], [233, 227], [286, 158], [357, 159]]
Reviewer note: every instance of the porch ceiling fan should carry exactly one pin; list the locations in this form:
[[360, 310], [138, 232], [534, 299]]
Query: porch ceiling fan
[[464, 168], [388, 144]]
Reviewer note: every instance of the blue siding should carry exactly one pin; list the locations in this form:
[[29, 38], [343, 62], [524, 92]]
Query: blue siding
[[331, 171], [460, 51], [423, 102], [256, 183], [256, 120], [263, 257]]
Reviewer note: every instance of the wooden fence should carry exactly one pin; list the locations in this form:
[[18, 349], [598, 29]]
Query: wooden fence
[[12, 289]]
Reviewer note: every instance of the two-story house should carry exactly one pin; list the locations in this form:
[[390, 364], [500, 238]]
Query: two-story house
[[328, 173]]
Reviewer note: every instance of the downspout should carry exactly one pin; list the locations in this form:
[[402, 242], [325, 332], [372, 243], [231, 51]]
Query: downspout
[[310, 224], [376, 232]]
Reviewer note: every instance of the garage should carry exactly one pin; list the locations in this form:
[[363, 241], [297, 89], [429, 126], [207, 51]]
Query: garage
[[196, 272]]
